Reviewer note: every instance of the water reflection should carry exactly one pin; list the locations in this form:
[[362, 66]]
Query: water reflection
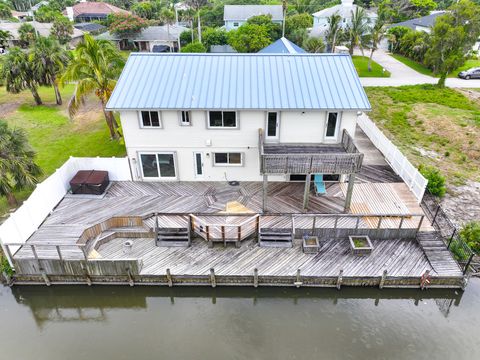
[[81, 304]]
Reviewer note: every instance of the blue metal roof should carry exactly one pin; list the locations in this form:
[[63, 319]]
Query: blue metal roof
[[282, 46], [239, 81]]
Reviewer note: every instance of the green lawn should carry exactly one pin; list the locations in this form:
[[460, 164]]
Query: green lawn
[[361, 65], [52, 134], [422, 69], [431, 126]]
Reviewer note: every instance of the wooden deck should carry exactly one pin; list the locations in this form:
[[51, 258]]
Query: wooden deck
[[401, 258]]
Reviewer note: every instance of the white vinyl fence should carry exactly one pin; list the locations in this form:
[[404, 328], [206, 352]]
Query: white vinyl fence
[[399, 163], [28, 217]]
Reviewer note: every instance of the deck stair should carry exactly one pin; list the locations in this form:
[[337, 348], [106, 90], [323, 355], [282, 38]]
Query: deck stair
[[275, 237], [175, 237], [437, 253]]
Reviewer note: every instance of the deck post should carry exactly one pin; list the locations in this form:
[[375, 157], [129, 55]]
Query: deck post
[[348, 197], [257, 227], [467, 265], [451, 238], [130, 277], [340, 279], [307, 191], [34, 251], [255, 277], [382, 279], [169, 278], [298, 280], [212, 278], [265, 193]]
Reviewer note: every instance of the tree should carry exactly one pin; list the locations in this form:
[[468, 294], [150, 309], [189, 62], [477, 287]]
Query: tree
[[46, 14], [452, 37], [95, 67], [5, 35], [401, 10], [5, 11], [314, 45], [18, 74], [26, 34], [144, 9], [377, 33], [194, 47], [48, 59], [214, 36], [167, 16], [17, 166], [197, 5], [62, 29], [358, 29], [395, 35], [334, 30], [274, 30], [249, 38], [126, 24], [297, 21]]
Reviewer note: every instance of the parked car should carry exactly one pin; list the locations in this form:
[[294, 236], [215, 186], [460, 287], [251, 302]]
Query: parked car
[[473, 73]]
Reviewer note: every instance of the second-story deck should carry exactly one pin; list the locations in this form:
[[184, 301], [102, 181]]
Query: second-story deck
[[289, 158]]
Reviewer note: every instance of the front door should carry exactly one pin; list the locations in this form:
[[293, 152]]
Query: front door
[[198, 162], [272, 127]]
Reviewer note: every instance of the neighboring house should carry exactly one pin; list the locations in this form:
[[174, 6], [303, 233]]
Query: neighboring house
[[20, 15], [219, 49], [90, 27], [218, 117], [150, 39], [237, 15], [42, 28], [282, 46], [345, 10], [424, 23], [90, 11]]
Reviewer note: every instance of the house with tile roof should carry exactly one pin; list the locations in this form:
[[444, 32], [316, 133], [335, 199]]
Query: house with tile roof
[[89, 11]]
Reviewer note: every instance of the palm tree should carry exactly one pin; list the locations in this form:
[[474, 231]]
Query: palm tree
[[95, 67], [314, 45], [49, 59], [18, 74], [26, 34], [167, 16], [334, 30], [358, 29], [377, 33], [197, 5], [17, 167], [5, 35]]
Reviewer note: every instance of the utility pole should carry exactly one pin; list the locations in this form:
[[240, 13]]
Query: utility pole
[[284, 6]]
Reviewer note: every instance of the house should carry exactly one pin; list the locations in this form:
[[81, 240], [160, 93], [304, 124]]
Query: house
[[345, 10], [282, 46], [20, 15], [89, 11], [36, 7], [240, 117], [237, 15], [151, 39], [42, 28], [205, 133], [424, 23]]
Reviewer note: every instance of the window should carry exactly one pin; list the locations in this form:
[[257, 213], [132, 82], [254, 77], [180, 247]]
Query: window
[[272, 124], [150, 119], [227, 159], [185, 118], [222, 119], [161, 165], [235, 24], [331, 128]]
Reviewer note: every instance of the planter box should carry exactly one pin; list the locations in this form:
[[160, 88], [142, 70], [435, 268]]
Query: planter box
[[310, 245], [360, 245]]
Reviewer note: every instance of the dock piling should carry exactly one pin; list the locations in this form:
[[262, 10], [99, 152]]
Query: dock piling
[[169, 278], [212, 277], [255, 277], [340, 279]]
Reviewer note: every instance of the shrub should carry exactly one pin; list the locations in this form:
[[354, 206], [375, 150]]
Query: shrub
[[5, 266], [436, 181], [194, 47], [126, 24], [470, 233]]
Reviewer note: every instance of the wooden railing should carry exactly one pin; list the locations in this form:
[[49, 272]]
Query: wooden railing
[[225, 232], [347, 162]]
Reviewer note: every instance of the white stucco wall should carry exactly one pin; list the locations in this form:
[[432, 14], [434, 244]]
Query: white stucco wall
[[184, 141]]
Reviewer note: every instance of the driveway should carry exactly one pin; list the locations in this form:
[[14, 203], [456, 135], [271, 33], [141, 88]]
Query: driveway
[[401, 74]]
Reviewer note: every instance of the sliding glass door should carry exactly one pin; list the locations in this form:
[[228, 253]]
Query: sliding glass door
[[158, 165]]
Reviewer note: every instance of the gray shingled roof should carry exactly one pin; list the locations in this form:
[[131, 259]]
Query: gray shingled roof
[[424, 21], [245, 12]]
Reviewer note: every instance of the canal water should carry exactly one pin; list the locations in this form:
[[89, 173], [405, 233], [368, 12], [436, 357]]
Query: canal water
[[70, 323]]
